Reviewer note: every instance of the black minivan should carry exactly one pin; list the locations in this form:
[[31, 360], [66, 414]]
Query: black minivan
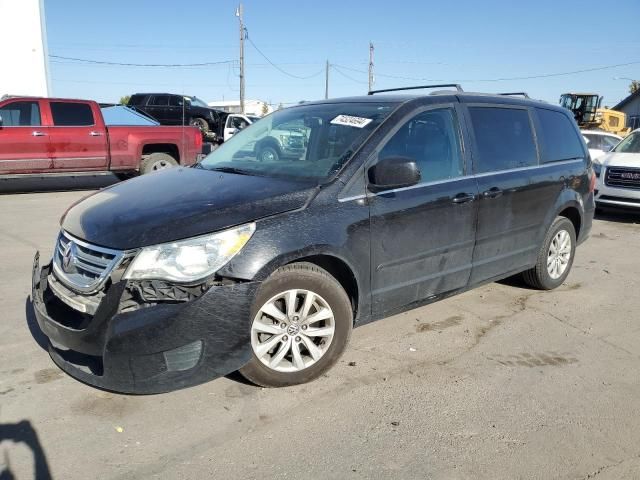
[[265, 266]]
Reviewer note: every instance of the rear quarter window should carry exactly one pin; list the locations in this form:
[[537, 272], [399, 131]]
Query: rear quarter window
[[558, 137], [504, 139]]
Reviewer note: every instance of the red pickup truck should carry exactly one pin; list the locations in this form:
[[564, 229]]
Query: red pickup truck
[[60, 136]]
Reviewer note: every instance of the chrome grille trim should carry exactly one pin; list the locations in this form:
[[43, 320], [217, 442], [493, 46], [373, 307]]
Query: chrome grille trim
[[91, 265], [622, 177]]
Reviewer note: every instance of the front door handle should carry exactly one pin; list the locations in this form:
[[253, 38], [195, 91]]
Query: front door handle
[[463, 198], [36, 133], [95, 134], [494, 192]]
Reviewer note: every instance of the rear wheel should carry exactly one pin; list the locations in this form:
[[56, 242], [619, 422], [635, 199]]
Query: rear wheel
[[301, 324], [555, 257], [157, 161], [201, 123]]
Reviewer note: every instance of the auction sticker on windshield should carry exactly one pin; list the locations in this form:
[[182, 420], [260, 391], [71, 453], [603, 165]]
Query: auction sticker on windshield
[[350, 121]]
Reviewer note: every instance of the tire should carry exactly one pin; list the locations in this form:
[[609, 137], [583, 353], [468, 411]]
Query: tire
[[157, 161], [285, 333], [201, 123], [268, 154], [543, 276]]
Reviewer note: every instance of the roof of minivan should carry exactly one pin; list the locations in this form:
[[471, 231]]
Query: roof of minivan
[[442, 96]]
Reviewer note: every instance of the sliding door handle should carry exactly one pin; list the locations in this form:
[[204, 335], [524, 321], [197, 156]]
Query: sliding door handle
[[36, 133]]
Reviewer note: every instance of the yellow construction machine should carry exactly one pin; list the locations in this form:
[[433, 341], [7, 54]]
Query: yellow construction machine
[[590, 116]]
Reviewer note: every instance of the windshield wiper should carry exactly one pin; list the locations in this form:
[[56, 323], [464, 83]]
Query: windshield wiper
[[237, 171]]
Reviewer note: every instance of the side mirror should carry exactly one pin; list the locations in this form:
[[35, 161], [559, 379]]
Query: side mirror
[[393, 172]]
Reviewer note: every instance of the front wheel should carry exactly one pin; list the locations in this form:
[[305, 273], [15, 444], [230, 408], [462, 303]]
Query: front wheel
[[301, 324], [555, 257], [268, 154]]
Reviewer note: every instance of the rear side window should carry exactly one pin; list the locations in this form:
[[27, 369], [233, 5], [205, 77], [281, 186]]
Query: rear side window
[[176, 101], [71, 114], [159, 100], [593, 141], [558, 137], [20, 114], [504, 139]]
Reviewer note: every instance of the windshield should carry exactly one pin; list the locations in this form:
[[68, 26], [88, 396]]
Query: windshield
[[198, 103], [309, 141], [631, 144]]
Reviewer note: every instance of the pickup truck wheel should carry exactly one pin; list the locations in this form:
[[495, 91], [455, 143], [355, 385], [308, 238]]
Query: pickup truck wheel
[[302, 321], [268, 154], [201, 123], [157, 161], [555, 257]]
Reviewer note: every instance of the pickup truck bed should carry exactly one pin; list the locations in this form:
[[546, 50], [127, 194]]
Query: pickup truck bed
[[44, 136]]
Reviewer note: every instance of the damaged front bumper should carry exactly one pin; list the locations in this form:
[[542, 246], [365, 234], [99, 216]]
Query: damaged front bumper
[[154, 347]]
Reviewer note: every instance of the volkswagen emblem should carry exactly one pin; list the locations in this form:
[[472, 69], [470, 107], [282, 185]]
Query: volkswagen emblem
[[68, 256]]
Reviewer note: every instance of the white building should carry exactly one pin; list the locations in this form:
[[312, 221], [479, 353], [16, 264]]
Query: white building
[[251, 107], [23, 49]]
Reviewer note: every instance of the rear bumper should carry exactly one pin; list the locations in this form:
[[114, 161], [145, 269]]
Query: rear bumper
[[152, 349]]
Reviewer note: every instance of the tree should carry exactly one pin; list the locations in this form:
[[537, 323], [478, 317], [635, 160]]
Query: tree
[[125, 99], [634, 87], [265, 108]]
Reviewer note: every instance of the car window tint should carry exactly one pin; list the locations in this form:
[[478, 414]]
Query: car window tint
[[20, 114], [593, 141], [432, 139], [558, 137], [159, 100], [71, 114], [176, 101], [504, 139], [609, 142]]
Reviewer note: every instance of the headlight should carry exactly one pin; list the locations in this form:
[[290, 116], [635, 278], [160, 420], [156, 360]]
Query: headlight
[[192, 259], [597, 168]]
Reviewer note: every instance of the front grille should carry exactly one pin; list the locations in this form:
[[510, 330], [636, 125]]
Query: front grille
[[82, 266], [623, 177]]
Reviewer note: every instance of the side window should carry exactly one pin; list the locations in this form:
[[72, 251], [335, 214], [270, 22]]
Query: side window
[[558, 138], [504, 139], [20, 114], [432, 139], [176, 101], [159, 101], [238, 122], [593, 141], [609, 142], [71, 114]]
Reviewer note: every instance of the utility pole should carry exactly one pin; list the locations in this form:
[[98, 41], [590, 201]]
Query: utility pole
[[326, 81], [371, 77], [239, 13]]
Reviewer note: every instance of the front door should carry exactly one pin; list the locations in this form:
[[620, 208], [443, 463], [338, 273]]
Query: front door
[[505, 157], [78, 139], [24, 142], [234, 124], [422, 237]]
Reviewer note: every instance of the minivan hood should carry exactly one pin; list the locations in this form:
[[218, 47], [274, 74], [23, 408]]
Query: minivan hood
[[179, 203], [615, 159]]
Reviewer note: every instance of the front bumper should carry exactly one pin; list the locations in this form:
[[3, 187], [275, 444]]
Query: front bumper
[[607, 196], [152, 349]]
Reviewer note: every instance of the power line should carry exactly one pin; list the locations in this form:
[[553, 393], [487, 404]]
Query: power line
[[471, 80], [277, 67], [337, 69], [165, 65]]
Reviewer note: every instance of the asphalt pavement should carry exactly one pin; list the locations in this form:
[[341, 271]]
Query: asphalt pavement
[[502, 382]]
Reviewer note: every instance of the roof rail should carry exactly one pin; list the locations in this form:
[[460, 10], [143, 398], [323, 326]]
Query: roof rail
[[514, 94], [456, 85]]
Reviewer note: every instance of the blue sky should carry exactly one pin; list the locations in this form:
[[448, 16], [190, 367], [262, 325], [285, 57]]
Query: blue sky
[[467, 41]]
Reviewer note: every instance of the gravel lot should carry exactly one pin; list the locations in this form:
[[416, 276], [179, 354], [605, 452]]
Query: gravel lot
[[500, 383]]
